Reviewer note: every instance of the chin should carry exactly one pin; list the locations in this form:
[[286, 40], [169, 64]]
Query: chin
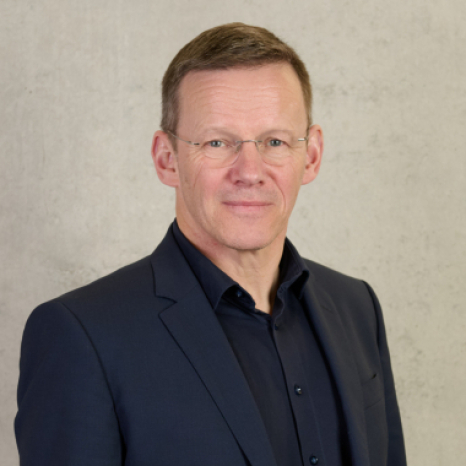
[[240, 245], [247, 238]]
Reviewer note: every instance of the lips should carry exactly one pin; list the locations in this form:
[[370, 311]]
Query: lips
[[255, 209], [247, 203]]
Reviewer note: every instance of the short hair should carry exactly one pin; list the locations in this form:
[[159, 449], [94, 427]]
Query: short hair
[[227, 46]]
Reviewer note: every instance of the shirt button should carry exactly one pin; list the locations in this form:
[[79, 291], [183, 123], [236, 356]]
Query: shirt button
[[239, 293], [275, 326], [298, 390], [313, 460]]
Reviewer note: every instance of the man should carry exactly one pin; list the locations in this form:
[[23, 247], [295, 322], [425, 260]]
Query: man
[[224, 347]]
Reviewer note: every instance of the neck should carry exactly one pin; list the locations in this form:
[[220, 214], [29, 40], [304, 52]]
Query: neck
[[257, 271]]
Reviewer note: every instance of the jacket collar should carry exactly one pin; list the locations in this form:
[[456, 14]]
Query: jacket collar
[[173, 277]]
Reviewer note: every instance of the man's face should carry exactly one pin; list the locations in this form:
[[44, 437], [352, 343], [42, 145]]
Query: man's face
[[244, 206]]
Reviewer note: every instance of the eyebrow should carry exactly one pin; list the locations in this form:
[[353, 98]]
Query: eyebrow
[[223, 131]]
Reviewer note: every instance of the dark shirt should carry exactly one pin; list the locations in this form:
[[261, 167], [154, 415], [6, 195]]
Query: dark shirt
[[281, 359]]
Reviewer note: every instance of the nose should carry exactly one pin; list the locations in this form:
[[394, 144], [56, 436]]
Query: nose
[[248, 169]]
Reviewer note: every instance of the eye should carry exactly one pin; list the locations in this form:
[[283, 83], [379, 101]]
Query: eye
[[215, 143], [275, 143]]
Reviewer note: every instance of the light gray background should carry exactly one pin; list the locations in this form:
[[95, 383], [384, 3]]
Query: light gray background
[[79, 87]]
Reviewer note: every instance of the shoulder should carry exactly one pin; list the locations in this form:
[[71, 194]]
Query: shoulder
[[352, 298], [132, 280], [131, 295], [127, 291], [337, 283]]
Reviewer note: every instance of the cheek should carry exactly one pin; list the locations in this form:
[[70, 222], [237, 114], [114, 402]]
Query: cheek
[[289, 184], [189, 173], [197, 184]]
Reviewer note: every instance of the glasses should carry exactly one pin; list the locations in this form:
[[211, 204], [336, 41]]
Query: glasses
[[225, 152]]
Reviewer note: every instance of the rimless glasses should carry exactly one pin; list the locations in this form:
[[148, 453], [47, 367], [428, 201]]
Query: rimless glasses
[[225, 152]]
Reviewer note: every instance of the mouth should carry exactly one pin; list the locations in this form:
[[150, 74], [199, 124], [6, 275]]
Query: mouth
[[247, 203], [248, 207]]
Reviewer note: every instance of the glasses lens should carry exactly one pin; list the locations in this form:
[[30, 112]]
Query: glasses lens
[[218, 148]]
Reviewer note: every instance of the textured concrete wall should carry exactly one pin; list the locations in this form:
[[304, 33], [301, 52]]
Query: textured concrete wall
[[79, 93]]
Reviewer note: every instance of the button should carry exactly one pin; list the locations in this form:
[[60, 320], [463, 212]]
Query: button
[[275, 326], [239, 293], [298, 390], [313, 460]]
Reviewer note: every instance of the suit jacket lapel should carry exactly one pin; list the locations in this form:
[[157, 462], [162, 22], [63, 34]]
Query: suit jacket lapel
[[193, 324], [338, 351]]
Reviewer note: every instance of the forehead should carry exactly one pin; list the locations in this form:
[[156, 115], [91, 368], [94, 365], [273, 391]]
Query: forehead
[[241, 98]]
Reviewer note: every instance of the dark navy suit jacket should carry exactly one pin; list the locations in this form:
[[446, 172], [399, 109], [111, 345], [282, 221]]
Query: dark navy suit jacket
[[134, 369]]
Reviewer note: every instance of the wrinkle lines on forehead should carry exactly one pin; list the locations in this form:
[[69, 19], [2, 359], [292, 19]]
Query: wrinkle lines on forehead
[[230, 97]]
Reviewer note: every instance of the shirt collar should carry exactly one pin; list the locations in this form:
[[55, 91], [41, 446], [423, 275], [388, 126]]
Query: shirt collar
[[215, 282], [293, 270]]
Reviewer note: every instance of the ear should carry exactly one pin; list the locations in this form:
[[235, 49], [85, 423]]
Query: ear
[[315, 149], [164, 159]]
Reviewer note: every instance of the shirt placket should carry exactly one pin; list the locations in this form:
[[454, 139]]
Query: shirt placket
[[299, 392]]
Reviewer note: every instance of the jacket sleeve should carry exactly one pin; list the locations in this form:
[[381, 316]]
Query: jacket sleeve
[[66, 415], [396, 449]]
